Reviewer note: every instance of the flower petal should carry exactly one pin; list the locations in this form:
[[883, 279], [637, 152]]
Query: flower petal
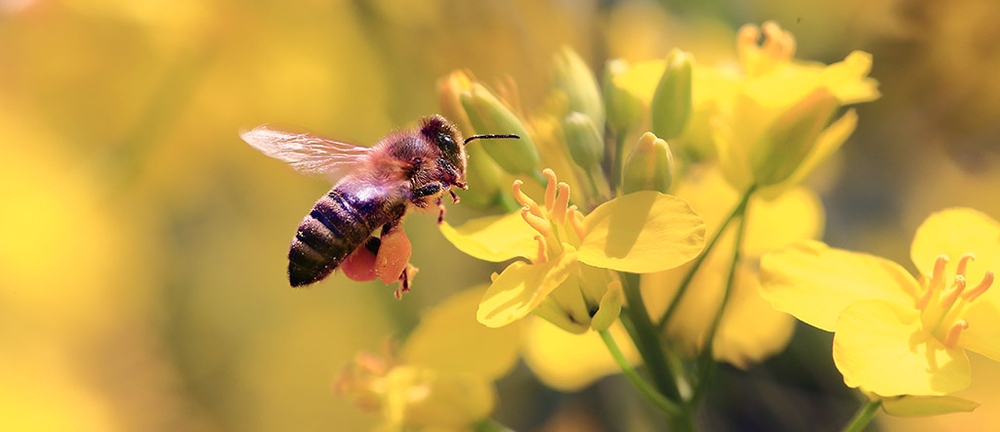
[[815, 282], [521, 287], [881, 347], [955, 232], [449, 339], [751, 330], [920, 406], [983, 334], [569, 362], [642, 232], [493, 238]]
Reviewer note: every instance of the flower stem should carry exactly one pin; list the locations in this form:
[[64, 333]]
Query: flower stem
[[863, 416], [706, 367], [650, 393], [686, 282], [646, 338], [490, 425]]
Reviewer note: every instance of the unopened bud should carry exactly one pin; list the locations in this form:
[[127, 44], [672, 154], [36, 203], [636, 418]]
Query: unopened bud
[[671, 105], [573, 78], [650, 166], [624, 109], [488, 115], [585, 141], [786, 143]]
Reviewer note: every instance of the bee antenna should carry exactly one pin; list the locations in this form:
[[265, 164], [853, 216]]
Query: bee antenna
[[490, 136]]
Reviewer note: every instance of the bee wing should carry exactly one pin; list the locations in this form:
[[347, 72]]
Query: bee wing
[[307, 153]]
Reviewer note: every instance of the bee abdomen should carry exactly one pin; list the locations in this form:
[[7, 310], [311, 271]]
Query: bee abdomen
[[331, 231]]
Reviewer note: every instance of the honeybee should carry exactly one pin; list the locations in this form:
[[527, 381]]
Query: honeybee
[[374, 188]]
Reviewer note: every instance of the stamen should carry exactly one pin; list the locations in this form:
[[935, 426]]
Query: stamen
[[576, 221], [539, 223], [979, 289], [937, 278], [954, 332], [963, 262], [956, 290], [542, 256], [746, 40], [526, 201], [562, 200], [550, 189], [778, 44]]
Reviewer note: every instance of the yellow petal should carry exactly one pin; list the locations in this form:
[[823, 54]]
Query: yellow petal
[[954, 232], [494, 238], [920, 406], [882, 347], [794, 215], [522, 287], [449, 338], [848, 79], [815, 282], [983, 334], [751, 330], [417, 397], [642, 232], [828, 142], [569, 362]]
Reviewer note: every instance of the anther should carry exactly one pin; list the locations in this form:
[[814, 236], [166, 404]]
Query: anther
[[963, 262], [539, 223], [550, 188], [562, 200], [937, 278], [954, 332], [525, 200], [956, 290], [980, 288]]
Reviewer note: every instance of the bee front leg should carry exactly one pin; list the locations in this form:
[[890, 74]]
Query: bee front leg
[[426, 191], [441, 211]]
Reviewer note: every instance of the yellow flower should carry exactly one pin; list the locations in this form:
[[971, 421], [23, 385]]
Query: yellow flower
[[570, 362], [566, 280], [442, 378], [894, 334], [751, 330], [768, 118]]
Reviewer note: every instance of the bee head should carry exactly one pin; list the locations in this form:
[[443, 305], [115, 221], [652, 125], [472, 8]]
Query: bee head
[[447, 139]]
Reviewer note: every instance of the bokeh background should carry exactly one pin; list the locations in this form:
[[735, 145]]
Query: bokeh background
[[142, 244]]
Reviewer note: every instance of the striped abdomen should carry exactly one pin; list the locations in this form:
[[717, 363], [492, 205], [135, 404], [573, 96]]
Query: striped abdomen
[[340, 222]]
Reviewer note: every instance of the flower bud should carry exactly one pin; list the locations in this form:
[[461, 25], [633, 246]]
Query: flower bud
[[485, 178], [584, 140], [450, 90], [574, 79], [789, 139], [671, 105], [624, 109], [488, 115], [650, 166]]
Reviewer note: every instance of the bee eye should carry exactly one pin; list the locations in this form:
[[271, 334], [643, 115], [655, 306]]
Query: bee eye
[[446, 141]]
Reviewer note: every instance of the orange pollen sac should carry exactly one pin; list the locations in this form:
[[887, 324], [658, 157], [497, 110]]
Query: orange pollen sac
[[526, 201], [539, 223]]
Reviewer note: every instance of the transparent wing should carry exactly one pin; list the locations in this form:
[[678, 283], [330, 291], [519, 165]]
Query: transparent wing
[[307, 153]]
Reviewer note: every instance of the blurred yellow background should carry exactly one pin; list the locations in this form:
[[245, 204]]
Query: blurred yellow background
[[143, 244]]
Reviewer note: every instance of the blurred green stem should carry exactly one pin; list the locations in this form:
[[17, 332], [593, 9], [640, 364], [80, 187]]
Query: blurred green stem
[[686, 282], [863, 416], [660, 401], [706, 366], [617, 162], [643, 333]]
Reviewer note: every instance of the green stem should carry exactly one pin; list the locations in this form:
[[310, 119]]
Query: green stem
[[646, 339], [706, 366], [863, 416], [490, 425], [650, 393], [686, 282], [617, 163]]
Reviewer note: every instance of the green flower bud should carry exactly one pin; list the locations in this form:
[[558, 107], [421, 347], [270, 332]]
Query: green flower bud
[[574, 79], [585, 141], [624, 109], [671, 105], [485, 178], [650, 166], [488, 115], [450, 90], [786, 143]]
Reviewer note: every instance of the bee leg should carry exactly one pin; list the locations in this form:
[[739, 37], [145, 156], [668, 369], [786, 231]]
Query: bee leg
[[404, 279], [454, 196], [441, 211]]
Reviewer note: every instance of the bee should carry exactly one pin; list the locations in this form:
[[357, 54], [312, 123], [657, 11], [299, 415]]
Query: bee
[[374, 187]]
